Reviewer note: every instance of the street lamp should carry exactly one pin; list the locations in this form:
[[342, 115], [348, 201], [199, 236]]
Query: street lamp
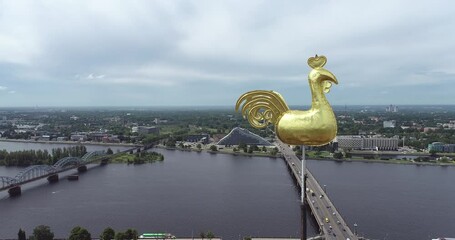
[[325, 190], [355, 229]]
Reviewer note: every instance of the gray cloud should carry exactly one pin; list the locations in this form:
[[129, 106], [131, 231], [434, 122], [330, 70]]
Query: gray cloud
[[191, 49]]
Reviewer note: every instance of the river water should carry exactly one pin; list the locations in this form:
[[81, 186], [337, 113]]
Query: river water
[[187, 193], [235, 196]]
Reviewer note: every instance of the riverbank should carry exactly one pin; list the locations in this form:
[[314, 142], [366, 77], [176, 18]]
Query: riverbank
[[262, 154], [222, 151], [69, 142], [400, 162]]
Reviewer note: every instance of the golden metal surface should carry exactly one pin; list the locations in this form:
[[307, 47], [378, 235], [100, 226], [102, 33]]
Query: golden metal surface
[[314, 127]]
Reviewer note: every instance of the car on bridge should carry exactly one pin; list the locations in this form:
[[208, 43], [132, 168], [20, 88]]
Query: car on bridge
[[327, 220]]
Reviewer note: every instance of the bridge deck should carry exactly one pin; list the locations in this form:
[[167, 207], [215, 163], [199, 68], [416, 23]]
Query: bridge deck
[[321, 207]]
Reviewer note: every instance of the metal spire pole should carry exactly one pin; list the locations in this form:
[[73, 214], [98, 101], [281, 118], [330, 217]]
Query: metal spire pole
[[302, 194]]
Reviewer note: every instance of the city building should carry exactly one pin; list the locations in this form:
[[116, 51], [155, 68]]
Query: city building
[[428, 129], [202, 138], [441, 147], [450, 125], [78, 137], [158, 121], [391, 108], [45, 138], [389, 124], [145, 130], [111, 139], [60, 139], [368, 143], [97, 136]]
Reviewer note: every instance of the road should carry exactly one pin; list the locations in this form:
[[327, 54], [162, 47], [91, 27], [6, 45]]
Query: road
[[320, 204]]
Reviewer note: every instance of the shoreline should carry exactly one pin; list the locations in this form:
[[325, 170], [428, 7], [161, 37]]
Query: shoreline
[[70, 142], [215, 152], [402, 162], [315, 159], [385, 161]]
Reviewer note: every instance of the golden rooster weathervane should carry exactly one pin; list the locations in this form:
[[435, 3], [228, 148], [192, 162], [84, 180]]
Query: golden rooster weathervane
[[314, 127]]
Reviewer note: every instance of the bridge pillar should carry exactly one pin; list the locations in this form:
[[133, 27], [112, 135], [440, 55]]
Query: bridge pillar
[[104, 161], [15, 191], [53, 178], [82, 168]]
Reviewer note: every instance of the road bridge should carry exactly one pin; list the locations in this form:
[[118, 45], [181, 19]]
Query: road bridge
[[334, 227]]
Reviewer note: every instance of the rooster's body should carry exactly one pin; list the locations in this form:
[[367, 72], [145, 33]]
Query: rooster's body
[[314, 127]]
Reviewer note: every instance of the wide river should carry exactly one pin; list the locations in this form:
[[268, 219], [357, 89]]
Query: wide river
[[232, 196]]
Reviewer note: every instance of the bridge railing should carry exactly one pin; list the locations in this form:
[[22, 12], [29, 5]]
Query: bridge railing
[[33, 172], [6, 181]]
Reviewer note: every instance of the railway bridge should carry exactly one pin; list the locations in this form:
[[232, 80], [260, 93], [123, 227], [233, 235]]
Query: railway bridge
[[36, 172]]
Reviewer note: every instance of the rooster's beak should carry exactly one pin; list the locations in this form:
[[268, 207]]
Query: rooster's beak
[[327, 76]]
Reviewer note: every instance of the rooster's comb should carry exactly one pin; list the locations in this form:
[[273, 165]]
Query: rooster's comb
[[317, 61]]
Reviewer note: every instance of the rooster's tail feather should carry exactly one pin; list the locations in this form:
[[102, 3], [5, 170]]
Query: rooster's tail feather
[[261, 107]]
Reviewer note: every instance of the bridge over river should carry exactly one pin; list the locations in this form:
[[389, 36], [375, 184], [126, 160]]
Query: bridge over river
[[36, 172], [331, 223]]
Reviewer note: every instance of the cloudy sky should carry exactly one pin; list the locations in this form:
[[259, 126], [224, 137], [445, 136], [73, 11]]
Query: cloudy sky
[[154, 53]]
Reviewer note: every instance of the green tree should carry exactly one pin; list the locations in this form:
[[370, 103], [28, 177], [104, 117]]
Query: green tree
[[210, 235], [338, 155], [120, 236], [250, 149], [42, 232], [199, 146], [213, 148], [79, 233], [242, 145], [274, 151], [21, 235], [107, 234], [348, 155], [202, 235], [131, 234], [109, 151]]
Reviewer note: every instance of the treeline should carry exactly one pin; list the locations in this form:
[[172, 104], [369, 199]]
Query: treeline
[[138, 157], [26, 158], [43, 232]]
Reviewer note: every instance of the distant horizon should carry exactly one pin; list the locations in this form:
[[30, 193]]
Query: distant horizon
[[226, 106]]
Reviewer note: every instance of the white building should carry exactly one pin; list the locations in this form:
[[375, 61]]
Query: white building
[[368, 143], [389, 124]]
